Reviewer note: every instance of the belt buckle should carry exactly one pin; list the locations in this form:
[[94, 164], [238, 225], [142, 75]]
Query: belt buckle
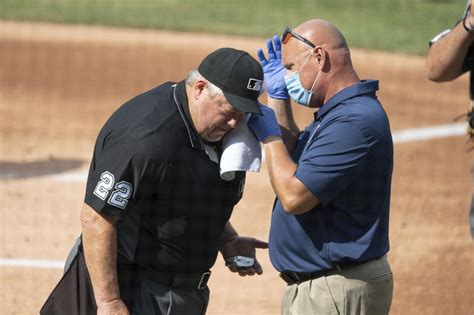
[[203, 281]]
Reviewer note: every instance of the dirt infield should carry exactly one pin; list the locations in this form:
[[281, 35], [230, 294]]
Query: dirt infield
[[58, 84]]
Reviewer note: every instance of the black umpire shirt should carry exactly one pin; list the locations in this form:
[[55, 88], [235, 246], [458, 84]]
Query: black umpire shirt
[[151, 171]]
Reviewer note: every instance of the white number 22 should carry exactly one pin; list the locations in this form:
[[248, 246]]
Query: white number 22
[[119, 197]]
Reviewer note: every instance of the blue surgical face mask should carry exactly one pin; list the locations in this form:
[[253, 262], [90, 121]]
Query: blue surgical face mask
[[296, 90]]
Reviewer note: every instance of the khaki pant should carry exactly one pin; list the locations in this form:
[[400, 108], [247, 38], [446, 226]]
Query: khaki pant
[[364, 289]]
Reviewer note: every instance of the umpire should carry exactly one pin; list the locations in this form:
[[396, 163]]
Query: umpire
[[156, 211]]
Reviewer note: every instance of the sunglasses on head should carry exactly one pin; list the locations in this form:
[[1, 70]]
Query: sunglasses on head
[[288, 33]]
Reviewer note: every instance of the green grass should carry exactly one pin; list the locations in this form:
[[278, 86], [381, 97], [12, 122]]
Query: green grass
[[395, 25]]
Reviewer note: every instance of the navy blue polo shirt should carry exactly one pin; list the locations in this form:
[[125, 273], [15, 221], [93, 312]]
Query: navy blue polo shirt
[[345, 158], [150, 170]]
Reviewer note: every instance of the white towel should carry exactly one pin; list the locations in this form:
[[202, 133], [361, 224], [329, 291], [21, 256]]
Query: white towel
[[241, 151]]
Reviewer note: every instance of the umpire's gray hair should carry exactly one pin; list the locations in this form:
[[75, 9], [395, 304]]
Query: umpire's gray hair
[[194, 75]]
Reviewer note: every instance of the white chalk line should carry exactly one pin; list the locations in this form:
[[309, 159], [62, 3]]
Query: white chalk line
[[403, 136], [31, 263], [429, 133]]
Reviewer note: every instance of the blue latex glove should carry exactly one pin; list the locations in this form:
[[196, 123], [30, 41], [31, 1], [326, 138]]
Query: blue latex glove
[[273, 70], [264, 125]]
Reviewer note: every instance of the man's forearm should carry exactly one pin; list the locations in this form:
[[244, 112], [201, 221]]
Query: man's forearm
[[281, 167], [292, 193], [286, 120], [446, 56], [228, 235], [99, 238]]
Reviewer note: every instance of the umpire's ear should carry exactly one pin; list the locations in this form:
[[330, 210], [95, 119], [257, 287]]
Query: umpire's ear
[[198, 88]]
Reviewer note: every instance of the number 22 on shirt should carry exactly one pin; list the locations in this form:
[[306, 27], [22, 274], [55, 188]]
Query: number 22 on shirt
[[119, 196]]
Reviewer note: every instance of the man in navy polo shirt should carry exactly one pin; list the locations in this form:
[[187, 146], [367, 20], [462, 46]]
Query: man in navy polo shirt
[[329, 229], [156, 211]]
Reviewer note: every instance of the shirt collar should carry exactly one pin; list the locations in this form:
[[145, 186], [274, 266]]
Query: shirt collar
[[361, 88], [181, 101]]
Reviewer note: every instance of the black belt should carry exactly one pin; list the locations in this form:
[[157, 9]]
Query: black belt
[[291, 277], [177, 280]]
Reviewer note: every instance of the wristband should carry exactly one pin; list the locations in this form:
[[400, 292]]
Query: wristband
[[470, 28]]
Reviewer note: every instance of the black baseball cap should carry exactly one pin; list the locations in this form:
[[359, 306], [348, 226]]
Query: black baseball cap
[[237, 74]]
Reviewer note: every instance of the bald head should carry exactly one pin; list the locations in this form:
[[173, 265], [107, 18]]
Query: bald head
[[322, 33]]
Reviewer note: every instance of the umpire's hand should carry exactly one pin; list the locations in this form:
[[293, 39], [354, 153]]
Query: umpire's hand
[[244, 246]]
